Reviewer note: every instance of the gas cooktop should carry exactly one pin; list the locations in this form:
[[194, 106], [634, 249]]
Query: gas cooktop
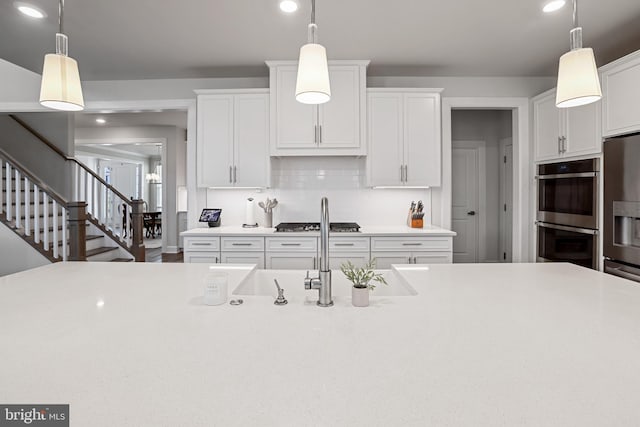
[[334, 227]]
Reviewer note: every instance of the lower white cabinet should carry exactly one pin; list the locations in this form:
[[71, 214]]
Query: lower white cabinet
[[411, 250], [202, 249], [302, 252], [256, 258], [202, 257], [291, 253]]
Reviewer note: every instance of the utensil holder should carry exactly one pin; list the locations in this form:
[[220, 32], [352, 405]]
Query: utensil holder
[[417, 223], [268, 220]]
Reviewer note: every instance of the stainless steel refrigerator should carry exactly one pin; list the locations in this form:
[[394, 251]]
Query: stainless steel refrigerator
[[621, 245]]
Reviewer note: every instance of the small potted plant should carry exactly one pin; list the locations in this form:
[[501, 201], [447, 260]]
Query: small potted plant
[[362, 279]]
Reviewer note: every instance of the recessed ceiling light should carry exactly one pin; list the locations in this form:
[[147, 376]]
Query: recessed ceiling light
[[30, 10], [288, 6], [101, 121], [553, 5]]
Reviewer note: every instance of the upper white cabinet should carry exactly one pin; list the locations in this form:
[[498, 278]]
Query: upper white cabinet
[[564, 132], [404, 132], [333, 128], [621, 95], [233, 138]]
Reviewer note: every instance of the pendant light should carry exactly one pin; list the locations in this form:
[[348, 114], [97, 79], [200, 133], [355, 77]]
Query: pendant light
[[578, 82], [312, 84], [61, 88]]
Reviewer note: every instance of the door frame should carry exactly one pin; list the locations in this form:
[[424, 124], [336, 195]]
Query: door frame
[[481, 235], [504, 143], [522, 169]]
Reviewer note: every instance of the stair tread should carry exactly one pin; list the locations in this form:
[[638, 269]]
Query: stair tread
[[122, 260], [93, 236], [100, 250]]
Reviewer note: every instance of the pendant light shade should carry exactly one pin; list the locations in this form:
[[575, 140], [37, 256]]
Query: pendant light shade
[[578, 81], [312, 85], [61, 88]]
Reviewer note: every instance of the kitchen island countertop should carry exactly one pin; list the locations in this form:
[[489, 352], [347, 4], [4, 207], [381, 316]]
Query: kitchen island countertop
[[130, 344]]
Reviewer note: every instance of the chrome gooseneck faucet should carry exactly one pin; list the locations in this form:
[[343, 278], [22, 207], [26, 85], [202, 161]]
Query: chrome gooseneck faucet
[[323, 282]]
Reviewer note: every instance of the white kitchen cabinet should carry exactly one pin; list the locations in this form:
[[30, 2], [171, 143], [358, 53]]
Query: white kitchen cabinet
[[411, 250], [242, 250], [334, 128], [621, 95], [291, 253], [354, 249], [564, 132], [233, 138], [404, 133], [201, 249]]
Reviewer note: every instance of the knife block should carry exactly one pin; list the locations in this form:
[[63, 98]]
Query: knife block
[[417, 223]]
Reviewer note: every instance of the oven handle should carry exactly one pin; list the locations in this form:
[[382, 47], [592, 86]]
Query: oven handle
[[620, 270], [566, 228], [569, 175]]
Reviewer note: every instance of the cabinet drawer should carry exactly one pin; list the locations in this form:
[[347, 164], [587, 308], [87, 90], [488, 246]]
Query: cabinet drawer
[[256, 258], [202, 244], [289, 244], [243, 244], [411, 244], [348, 244]]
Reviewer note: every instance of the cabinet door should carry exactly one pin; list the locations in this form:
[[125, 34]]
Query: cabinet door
[[291, 261], [251, 141], [295, 122], [546, 127], [256, 258], [432, 257], [422, 139], [202, 257], [621, 101], [385, 122], [340, 117], [359, 259], [215, 140], [583, 130], [385, 259]]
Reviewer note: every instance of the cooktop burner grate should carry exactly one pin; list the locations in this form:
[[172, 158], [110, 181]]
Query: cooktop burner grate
[[334, 227]]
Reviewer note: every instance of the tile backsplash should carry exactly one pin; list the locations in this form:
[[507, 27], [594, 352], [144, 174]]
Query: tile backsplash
[[300, 182]]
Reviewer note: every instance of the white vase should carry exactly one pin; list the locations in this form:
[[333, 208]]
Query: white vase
[[359, 297]]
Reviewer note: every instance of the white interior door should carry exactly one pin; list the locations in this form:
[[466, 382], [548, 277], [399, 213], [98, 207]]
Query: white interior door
[[506, 200], [465, 204]]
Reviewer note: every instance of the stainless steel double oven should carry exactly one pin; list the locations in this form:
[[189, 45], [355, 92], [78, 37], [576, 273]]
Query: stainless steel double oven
[[567, 216]]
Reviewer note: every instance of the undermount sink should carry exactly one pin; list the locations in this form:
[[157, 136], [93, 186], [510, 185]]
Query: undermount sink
[[261, 283]]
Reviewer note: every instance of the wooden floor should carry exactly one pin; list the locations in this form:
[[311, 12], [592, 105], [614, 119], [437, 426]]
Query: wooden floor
[[156, 255]]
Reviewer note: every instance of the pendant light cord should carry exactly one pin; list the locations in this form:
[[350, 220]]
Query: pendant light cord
[[61, 16], [313, 11], [575, 13], [312, 29]]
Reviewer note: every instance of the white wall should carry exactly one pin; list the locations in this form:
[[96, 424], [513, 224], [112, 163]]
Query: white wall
[[489, 126], [17, 255], [19, 85], [299, 184]]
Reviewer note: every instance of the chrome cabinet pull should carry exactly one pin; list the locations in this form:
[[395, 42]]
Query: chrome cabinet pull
[[230, 175], [409, 260], [411, 244], [401, 173], [241, 244], [235, 174], [564, 144], [315, 134], [314, 265], [406, 173], [201, 244], [290, 244], [320, 138], [344, 244]]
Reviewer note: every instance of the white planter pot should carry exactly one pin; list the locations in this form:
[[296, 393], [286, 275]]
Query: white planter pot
[[359, 297]]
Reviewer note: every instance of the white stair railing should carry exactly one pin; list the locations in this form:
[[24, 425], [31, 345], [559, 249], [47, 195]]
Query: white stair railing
[[21, 210]]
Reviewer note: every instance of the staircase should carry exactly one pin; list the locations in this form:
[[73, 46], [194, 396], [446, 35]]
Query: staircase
[[100, 224]]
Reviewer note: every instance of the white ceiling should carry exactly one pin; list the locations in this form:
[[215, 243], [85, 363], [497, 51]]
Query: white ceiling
[[143, 118], [123, 39]]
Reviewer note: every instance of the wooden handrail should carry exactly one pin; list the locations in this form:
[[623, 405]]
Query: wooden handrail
[[68, 158], [23, 170]]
